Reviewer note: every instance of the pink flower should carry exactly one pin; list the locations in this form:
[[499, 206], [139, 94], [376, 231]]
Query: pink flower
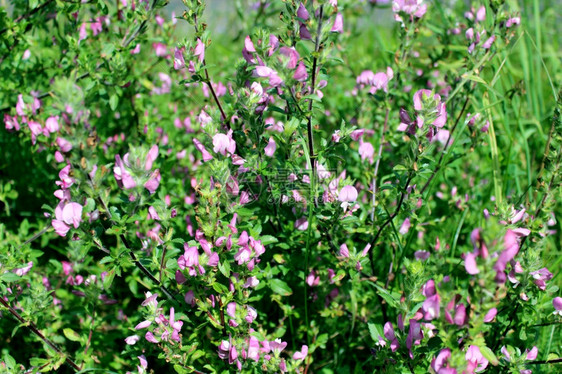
[[475, 358], [121, 173], [224, 143], [357, 134], [292, 55], [52, 124], [405, 227], [191, 255], [344, 251], [512, 21], [488, 43], [72, 214], [24, 270], [388, 331], [254, 349], [199, 50], [302, 13], [540, 277], [440, 361], [414, 8], [301, 224], [481, 14], [532, 354], [470, 263], [312, 279], [132, 340], [153, 182], [431, 307], [422, 95], [143, 325], [338, 24], [150, 337], [160, 49], [270, 148], [489, 317], [348, 194], [201, 148], [151, 157], [248, 45], [557, 304], [302, 354], [300, 73]]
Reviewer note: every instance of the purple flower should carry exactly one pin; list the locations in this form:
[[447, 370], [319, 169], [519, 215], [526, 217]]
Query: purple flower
[[302, 13], [431, 307], [557, 304], [540, 277]]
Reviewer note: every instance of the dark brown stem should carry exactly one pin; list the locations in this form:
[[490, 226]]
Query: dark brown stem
[[31, 326], [313, 85], [555, 361]]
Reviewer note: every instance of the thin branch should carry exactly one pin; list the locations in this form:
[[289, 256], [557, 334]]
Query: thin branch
[[438, 167], [388, 220], [30, 325], [379, 154], [27, 15], [208, 81], [313, 85], [554, 361], [134, 258]]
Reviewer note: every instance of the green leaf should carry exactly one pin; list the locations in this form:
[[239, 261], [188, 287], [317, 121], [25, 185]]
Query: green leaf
[[108, 280], [375, 331], [10, 277], [280, 287], [489, 355], [113, 101], [268, 239], [224, 268], [71, 335]]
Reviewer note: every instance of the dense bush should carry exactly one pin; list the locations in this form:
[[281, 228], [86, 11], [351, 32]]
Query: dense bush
[[320, 187]]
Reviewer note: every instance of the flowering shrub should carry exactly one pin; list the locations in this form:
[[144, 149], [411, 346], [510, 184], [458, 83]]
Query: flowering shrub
[[331, 187]]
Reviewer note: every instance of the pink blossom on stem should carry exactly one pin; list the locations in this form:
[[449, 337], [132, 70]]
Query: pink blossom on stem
[[338, 24], [302, 354]]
